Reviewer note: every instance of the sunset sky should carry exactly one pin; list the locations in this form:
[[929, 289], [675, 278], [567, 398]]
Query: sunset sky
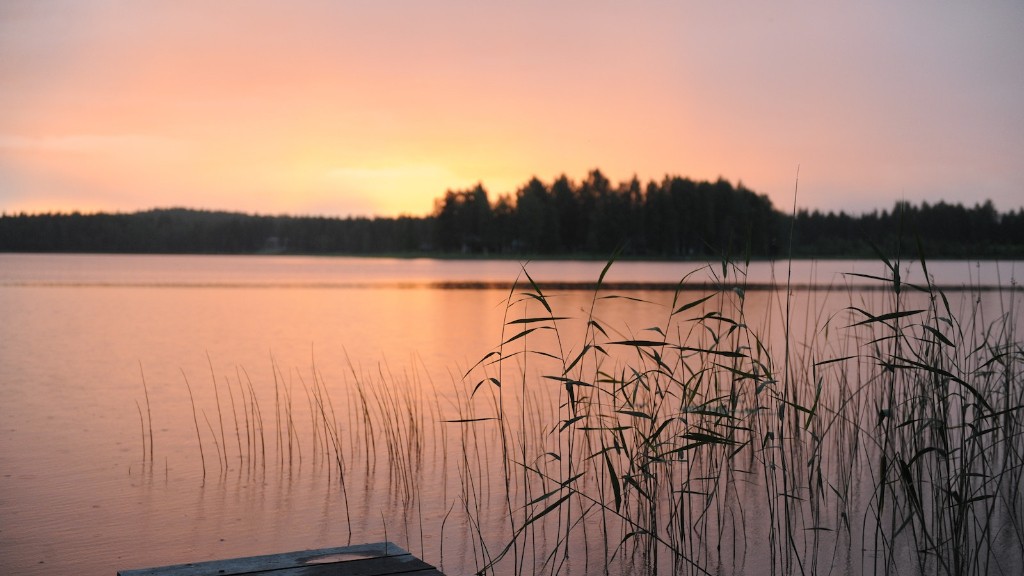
[[377, 107]]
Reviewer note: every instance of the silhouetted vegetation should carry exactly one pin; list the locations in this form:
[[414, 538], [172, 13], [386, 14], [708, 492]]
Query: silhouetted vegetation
[[672, 219]]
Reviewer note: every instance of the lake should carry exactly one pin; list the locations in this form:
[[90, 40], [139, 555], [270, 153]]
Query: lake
[[166, 409]]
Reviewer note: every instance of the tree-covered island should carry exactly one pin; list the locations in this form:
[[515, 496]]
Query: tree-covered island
[[676, 218]]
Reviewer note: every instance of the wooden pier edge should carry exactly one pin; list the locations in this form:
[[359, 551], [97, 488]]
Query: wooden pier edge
[[376, 559]]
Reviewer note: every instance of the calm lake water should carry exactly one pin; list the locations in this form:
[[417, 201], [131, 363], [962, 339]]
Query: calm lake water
[[244, 360]]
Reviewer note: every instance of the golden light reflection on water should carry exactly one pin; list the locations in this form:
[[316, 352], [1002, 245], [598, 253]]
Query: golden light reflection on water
[[79, 493]]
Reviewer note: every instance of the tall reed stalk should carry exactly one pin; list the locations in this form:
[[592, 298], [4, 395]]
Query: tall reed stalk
[[882, 439]]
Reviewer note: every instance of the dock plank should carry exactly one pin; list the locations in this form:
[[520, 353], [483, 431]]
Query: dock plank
[[376, 559]]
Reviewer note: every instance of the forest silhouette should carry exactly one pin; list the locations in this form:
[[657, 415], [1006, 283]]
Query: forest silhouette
[[676, 218]]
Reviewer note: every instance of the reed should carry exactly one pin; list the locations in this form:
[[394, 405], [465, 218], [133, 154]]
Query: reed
[[149, 416], [221, 457], [234, 416], [950, 445], [905, 421], [195, 420], [142, 424], [258, 457], [220, 418], [722, 436]]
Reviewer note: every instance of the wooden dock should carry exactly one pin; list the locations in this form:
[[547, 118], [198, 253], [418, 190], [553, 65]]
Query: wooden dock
[[376, 559]]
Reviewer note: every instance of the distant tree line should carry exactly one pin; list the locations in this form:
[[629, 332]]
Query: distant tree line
[[671, 219], [675, 218], [944, 231], [184, 231]]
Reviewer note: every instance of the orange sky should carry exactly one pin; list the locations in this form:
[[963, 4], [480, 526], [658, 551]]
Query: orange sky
[[378, 107]]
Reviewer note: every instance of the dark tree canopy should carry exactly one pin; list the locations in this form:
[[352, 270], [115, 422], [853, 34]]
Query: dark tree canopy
[[671, 219]]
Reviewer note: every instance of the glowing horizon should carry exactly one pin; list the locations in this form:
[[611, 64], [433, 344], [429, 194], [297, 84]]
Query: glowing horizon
[[353, 108]]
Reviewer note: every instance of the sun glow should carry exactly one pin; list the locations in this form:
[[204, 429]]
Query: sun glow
[[358, 108]]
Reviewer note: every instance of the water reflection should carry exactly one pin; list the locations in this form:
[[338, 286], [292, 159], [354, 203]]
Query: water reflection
[[364, 385]]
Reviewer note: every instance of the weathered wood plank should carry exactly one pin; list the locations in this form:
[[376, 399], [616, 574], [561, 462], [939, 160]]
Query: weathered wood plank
[[377, 559], [391, 565], [377, 567]]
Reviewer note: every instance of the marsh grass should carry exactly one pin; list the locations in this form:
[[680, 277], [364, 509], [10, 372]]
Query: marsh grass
[[147, 424], [719, 437], [882, 439], [947, 438]]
